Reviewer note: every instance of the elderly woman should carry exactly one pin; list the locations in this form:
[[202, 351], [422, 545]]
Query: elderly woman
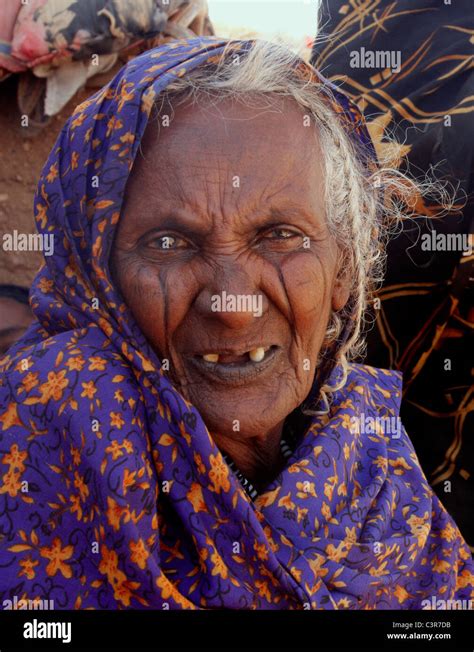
[[181, 428]]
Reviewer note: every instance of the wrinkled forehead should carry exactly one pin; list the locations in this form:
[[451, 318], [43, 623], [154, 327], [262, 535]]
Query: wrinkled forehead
[[236, 154], [250, 126]]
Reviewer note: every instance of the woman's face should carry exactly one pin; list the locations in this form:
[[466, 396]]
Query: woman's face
[[223, 256]]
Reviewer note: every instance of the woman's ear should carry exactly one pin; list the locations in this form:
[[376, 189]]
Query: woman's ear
[[340, 293], [342, 285]]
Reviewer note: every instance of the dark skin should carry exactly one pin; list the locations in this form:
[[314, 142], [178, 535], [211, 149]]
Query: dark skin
[[15, 317], [189, 230]]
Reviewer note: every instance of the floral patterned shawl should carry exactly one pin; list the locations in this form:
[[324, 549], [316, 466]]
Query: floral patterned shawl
[[113, 493]]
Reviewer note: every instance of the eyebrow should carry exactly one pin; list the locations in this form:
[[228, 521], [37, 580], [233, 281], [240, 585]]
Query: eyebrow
[[176, 221], [274, 216], [292, 211]]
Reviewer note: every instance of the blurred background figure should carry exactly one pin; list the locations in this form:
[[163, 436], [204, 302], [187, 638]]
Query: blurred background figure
[[15, 315], [408, 64], [62, 43]]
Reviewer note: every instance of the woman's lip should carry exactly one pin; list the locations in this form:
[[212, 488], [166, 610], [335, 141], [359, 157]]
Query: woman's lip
[[233, 373]]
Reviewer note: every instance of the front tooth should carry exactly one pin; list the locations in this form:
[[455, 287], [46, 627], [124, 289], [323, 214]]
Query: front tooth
[[257, 355], [211, 357]]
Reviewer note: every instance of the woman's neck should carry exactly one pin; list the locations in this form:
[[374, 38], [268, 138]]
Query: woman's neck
[[258, 458]]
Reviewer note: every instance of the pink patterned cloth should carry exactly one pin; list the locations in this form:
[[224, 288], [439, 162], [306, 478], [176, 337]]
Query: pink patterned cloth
[[50, 31], [8, 15]]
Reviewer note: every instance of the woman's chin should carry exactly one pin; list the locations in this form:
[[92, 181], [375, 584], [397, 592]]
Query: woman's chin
[[236, 420]]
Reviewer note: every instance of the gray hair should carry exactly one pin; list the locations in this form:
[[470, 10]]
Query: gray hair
[[362, 207]]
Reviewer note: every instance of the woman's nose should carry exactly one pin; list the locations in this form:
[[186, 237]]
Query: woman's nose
[[232, 298]]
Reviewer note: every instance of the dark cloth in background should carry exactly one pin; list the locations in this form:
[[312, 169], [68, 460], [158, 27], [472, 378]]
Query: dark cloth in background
[[425, 323]]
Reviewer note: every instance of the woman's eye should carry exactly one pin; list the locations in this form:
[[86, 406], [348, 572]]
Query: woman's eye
[[166, 242], [281, 239], [281, 234]]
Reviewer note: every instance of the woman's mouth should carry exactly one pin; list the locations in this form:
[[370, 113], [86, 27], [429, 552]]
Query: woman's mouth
[[236, 368]]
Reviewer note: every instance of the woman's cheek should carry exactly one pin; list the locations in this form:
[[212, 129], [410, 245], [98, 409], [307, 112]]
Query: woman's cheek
[[165, 297], [143, 292], [308, 286]]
